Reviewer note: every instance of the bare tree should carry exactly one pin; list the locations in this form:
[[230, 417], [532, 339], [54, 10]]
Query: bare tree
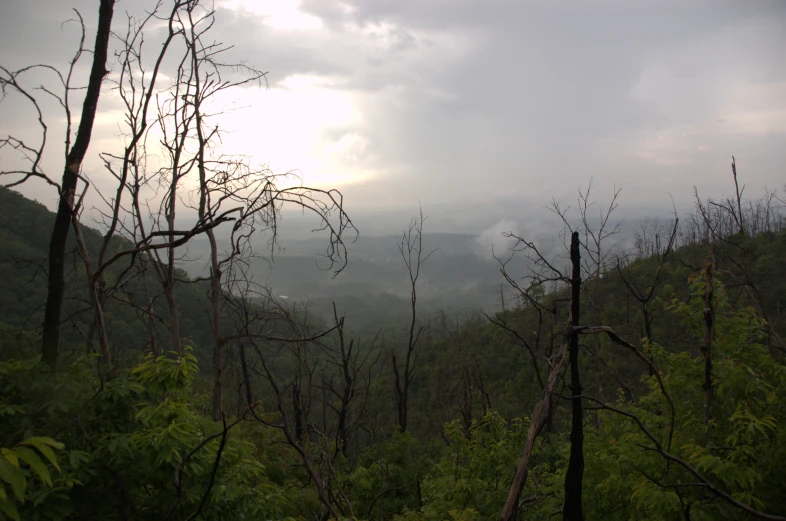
[[706, 348], [574, 477], [644, 295], [541, 413], [728, 224], [255, 321], [67, 187], [411, 249], [353, 372], [542, 271], [545, 271], [596, 230], [152, 188]]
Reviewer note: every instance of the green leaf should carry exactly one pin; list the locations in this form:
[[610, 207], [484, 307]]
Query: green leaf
[[10, 456], [10, 509], [44, 445], [44, 440], [77, 458], [32, 459], [12, 475]]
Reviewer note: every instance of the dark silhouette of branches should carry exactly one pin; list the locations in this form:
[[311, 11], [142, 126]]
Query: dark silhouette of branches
[[645, 295], [411, 249], [727, 223], [703, 482], [152, 188], [32, 155]]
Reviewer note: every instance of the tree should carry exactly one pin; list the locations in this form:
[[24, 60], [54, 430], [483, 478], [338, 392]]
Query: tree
[[50, 342], [574, 477], [646, 248], [411, 249], [544, 270], [730, 224]]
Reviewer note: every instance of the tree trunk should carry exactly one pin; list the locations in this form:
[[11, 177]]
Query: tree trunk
[[574, 477], [151, 321], [174, 314], [50, 344], [706, 349], [540, 417], [401, 403], [218, 346], [298, 411], [169, 283], [246, 376], [98, 325], [343, 417]]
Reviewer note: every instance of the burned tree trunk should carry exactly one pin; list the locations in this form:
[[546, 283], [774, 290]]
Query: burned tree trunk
[[573, 478], [297, 406], [246, 375], [706, 348], [401, 394], [50, 345]]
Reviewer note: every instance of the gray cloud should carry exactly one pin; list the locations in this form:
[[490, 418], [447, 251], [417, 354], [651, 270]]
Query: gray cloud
[[483, 110]]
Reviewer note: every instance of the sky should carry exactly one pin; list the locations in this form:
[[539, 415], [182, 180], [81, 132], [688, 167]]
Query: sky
[[480, 111]]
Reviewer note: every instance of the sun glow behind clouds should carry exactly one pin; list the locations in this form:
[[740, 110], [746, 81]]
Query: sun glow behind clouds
[[301, 124], [278, 14]]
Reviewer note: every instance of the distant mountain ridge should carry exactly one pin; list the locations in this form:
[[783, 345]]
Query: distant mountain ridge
[[455, 276]]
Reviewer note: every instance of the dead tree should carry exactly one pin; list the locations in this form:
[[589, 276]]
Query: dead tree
[[541, 413], [596, 231], [153, 185], [645, 295], [207, 82], [50, 341], [411, 249], [75, 155], [254, 325], [706, 348], [544, 271], [349, 381], [574, 477], [726, 223], [175, 119]]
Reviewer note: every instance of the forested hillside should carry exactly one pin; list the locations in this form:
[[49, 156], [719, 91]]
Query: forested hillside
[[25, 228], [461, 275], [313, 420]]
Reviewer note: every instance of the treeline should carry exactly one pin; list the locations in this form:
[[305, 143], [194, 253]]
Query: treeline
[[313, 421]]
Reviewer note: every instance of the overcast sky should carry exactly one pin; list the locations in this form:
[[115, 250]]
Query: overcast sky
[[480, 110]]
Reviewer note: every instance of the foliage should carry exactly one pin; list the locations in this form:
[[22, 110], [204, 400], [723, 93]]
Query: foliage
[[141, 439], [131, 436], [24, 462]]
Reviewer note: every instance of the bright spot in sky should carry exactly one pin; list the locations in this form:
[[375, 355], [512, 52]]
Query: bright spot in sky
[[279, 14], [301, 124]]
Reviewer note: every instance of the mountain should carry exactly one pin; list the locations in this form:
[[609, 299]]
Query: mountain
[[25, 229], [458, 276], [475, 383]]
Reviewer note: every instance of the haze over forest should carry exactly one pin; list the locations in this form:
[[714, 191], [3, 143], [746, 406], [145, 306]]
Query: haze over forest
[[479, 113]]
